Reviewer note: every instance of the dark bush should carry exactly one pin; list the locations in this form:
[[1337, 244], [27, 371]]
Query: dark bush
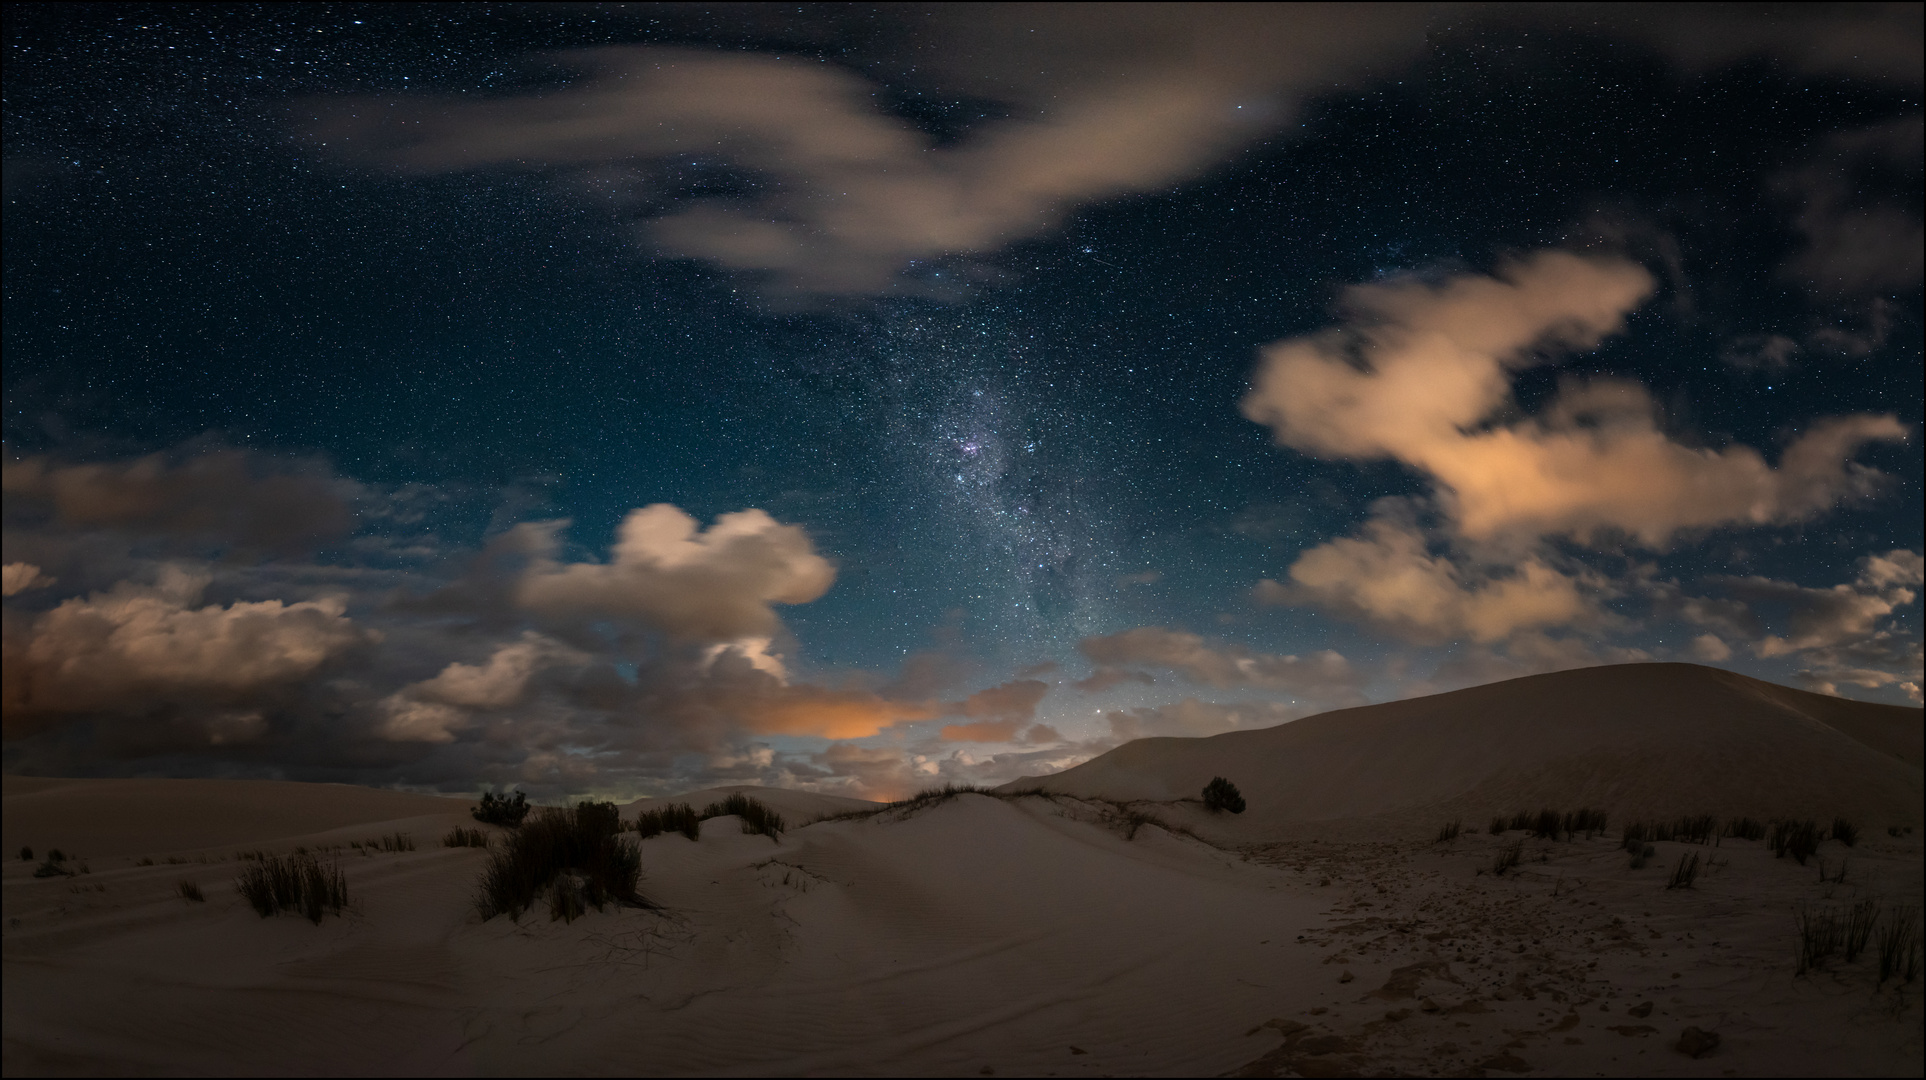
[[1220, 795], [1799, 839], [577, 857], [677, 817], [1685, 873], [1845, 831], [1636, 833], [1696, 830], [295, 884], [1497, 826], [1449, 832], [1547, 825], [501, 810], [756, 817], [1745, 828], [1589, 821], [54, 865], [26, 853], [459, 837], [1508, 858], [1521, 820]]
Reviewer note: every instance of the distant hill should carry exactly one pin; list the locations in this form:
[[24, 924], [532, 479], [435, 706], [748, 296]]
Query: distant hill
[[1633, 739]]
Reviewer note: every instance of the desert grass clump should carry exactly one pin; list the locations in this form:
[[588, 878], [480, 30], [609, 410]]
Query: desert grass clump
[[1799, 839], [1636, 834], [1642, 854], [1745, 828], [54, 865], [1899, 945], [1221, 795], [294, 883], [392, 843], [1699, 829], [1588, 820], [188, 890], [1508, 858], [1497, 825], [1845, 832], [459, 837], [566, 856], [1860, 920], [1685, 873], [1134, 820], [26, 853], [501, 810], [1820, 935], [1449, 831], [757, 818], [676, 817]]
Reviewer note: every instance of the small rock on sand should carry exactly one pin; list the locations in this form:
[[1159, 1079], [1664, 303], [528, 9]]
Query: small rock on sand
[[1642, 1010]]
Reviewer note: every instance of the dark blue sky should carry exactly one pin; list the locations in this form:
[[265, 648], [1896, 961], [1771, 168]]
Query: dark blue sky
[[1009, 445]]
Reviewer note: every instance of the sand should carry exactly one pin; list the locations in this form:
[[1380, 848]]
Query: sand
[[978, 935]]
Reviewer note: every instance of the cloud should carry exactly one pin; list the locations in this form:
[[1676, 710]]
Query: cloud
[[434, 709], [716, 585], [1858, 210], [1419, 373], [1191, 718], [227, 496], [135, 648], [1389, 578], [1842, 614], [1710, 648], [1106, 677], [997, 712], [1325, 674], [18, 577]]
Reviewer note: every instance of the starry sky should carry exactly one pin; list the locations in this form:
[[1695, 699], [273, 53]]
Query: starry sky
[[622, 399]]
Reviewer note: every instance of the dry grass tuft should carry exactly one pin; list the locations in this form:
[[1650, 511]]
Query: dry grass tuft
[[576, 858], [294, 883], [188, 890], [460, 837], [756, 817], [677, 817]]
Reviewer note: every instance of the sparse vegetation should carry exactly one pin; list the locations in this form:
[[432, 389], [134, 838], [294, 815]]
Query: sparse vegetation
[[459, 837], [188, 890], [391, 843], [676, 817], [26, 853], [1799, 839], [1221, 795], [1497, 826], [1845, 832], [1686, 872], [1860, 919], [1894, 831], [1642, 854], [1899, 945], [1508, 858], [501, 810], [294, 883], [54, 865], [1449, 831], [1745, 828], [1819, 934], [756, 817], [576, 858]]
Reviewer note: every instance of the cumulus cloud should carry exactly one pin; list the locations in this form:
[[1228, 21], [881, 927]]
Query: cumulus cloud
[[1390, 578], [18, 577], [1842, 614], [716, 585], [434, 709], [1324, 674], [136, 647], [226, 496], [1106, 677], [1421, 372]]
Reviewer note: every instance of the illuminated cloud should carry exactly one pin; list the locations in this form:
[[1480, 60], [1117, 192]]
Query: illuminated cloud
[[1324, 674], [135, 648], [18, 577], [996, 713], [1420, 372], [1856, 243], [716, 585], [1390, 578]]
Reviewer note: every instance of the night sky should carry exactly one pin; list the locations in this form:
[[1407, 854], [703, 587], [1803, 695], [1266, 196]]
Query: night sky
[[621, 399]]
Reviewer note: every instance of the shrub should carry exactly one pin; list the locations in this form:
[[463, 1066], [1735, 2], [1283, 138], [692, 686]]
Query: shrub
[[1685, 873], [1220, 795], [1137, 819], [1899, 945], [1588, 820], [294, 883], [678, 817], [1508, 858], [459, 837], [1745, 828], [584, 843], [1819, 936], [756, 817], [1449, 831], [1845, 831], [26, 853], [54, 865], [501, 810], [189, 890], [1799, 839]]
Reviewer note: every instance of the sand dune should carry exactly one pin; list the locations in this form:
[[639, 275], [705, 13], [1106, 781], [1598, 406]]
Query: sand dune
[[1633, 739], [1015, 935]]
